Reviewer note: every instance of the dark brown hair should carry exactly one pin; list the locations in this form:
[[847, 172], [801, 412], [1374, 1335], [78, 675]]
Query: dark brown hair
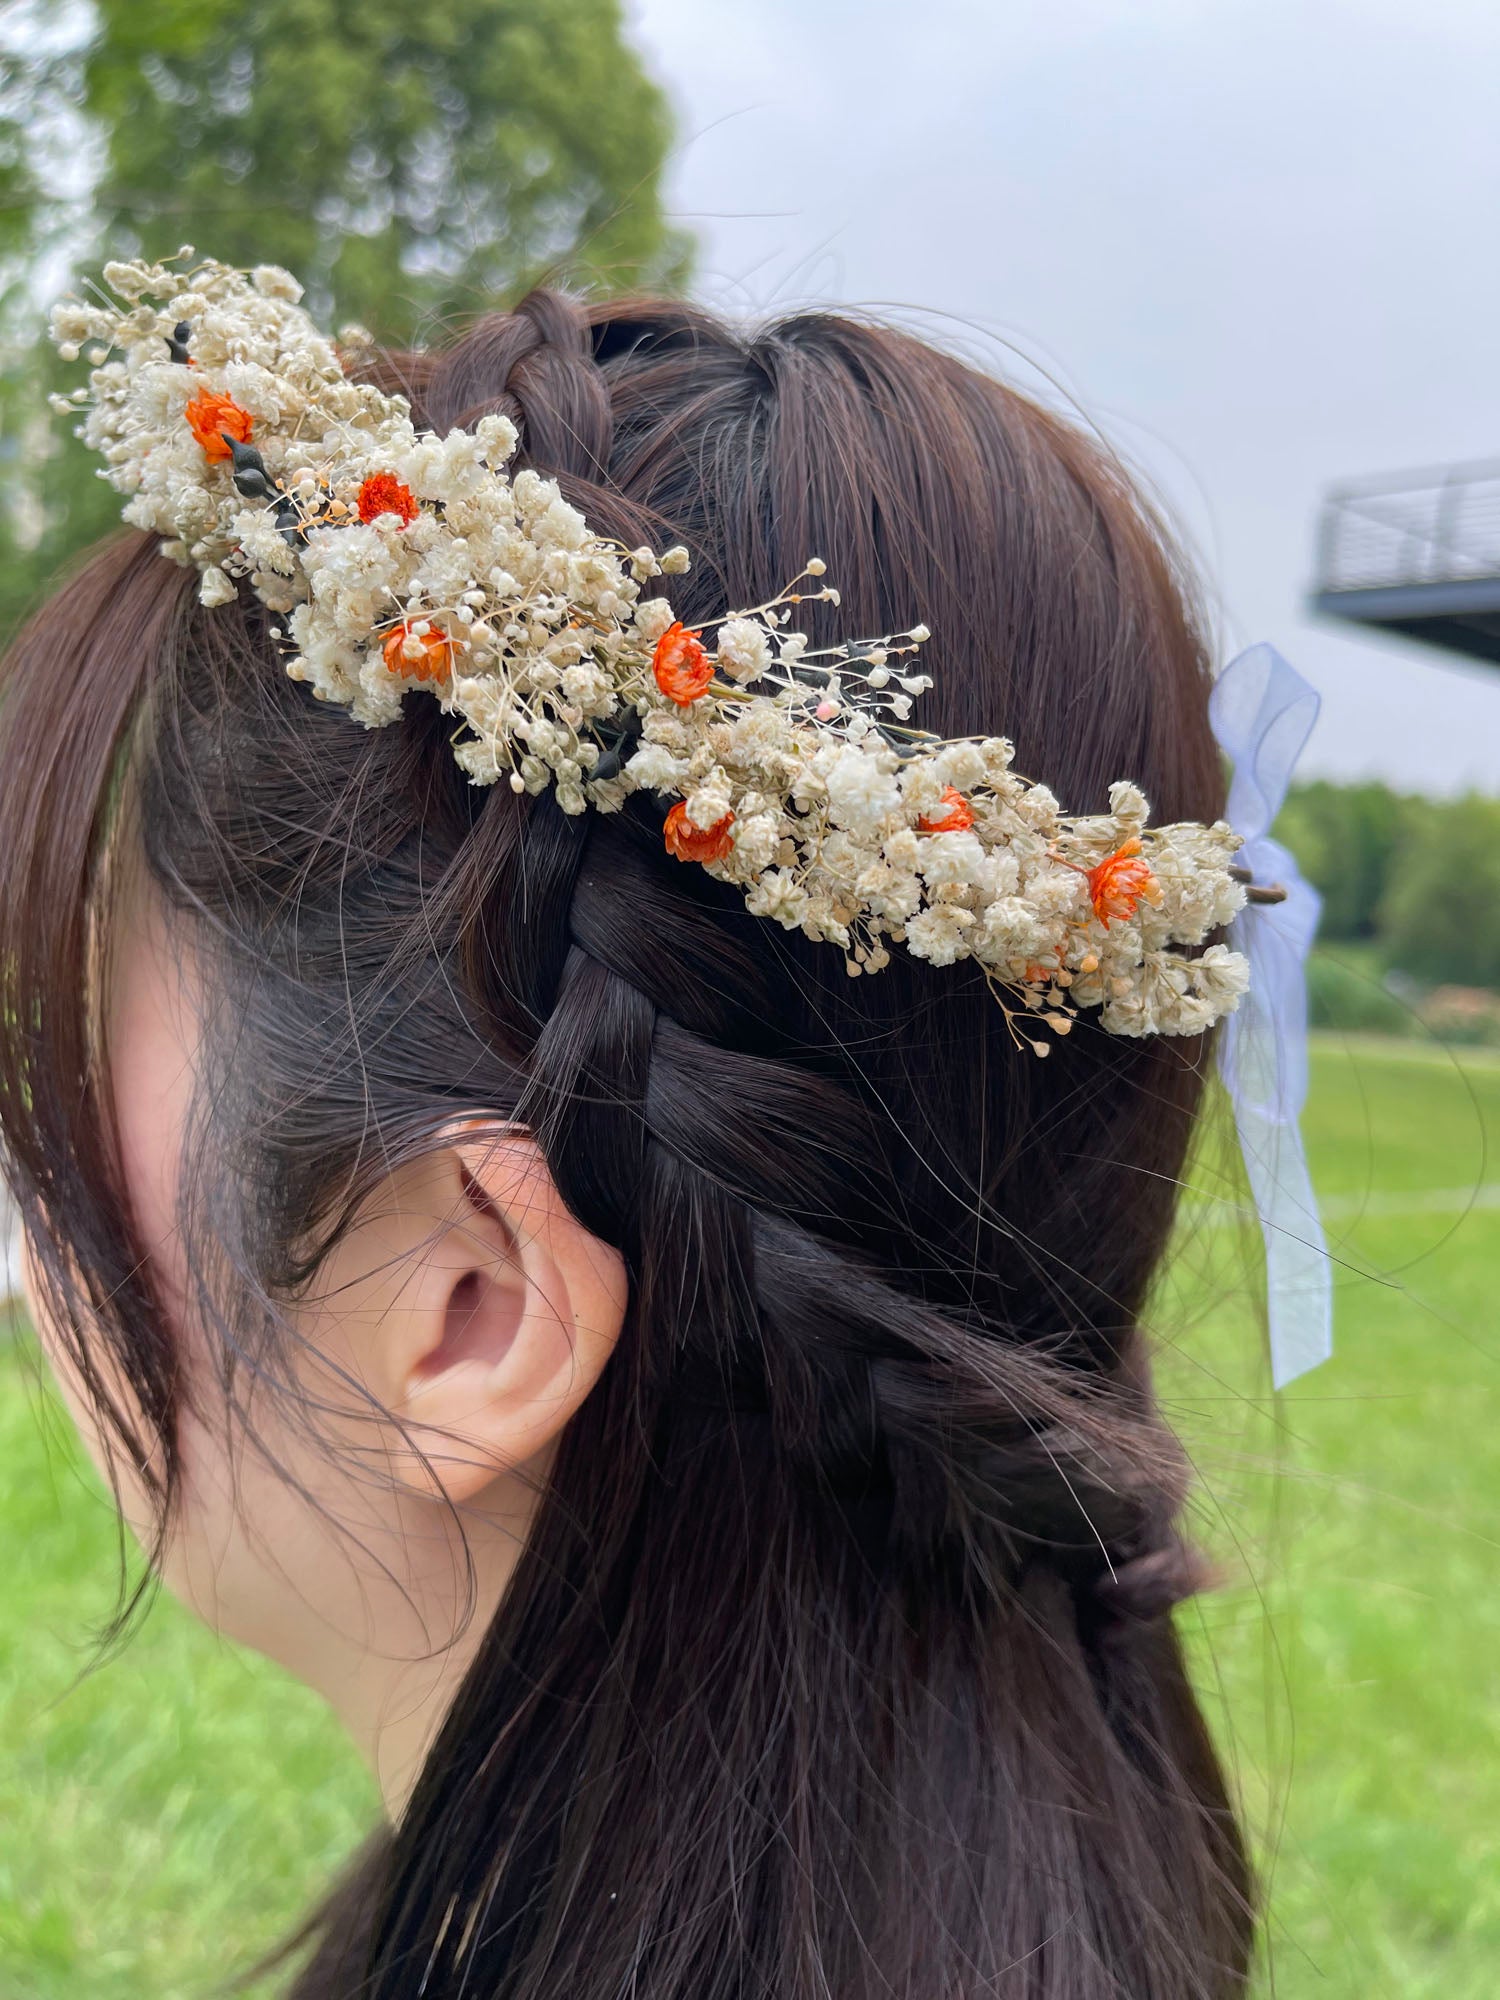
[[838, 1663]]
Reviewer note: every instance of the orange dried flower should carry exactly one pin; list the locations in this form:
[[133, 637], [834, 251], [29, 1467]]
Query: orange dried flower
[[383, 493], [1120, 881], [210, 415], [1043, 975], [682, 668], [694, 843], [437, 654], [956, 816]]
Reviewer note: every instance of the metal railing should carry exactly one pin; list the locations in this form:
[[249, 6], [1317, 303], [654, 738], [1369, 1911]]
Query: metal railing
[[1419, 527]]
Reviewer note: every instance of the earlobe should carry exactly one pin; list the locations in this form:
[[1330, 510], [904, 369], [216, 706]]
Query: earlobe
[[515, 1310]]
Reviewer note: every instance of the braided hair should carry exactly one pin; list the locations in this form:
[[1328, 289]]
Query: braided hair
[[838, 1661]]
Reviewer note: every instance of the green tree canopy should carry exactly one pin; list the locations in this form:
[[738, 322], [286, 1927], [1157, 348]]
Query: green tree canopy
[[1418, 879], [404, 161], [409, 163], [1440, 919], [1345, 838]]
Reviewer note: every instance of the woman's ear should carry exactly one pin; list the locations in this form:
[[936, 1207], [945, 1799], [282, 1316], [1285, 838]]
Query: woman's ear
[[474, 1308]]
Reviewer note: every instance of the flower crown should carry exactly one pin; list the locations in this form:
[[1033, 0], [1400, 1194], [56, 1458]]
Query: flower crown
[[402, 560]]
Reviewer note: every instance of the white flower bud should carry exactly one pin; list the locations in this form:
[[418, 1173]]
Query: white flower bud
[[274, 283], [743, 649]]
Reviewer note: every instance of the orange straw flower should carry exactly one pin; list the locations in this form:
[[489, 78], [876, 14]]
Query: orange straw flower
[[693, 843], [433, 662], [956, 815], [682, 667], [1043, 975], [383, 493], [210, 415], [1120, 881]]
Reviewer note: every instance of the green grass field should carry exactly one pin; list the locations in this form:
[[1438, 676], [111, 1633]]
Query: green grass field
[[1354, 1665], [163, 1818]]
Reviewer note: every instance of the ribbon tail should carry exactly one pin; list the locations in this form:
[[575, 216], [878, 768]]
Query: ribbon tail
[[1299, 1283], [1262, 712]]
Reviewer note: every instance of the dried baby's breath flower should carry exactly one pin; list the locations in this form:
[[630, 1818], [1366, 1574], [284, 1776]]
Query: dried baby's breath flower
[[399, 560]]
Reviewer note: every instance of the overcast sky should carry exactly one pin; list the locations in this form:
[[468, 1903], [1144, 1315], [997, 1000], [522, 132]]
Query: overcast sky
[[1254, 241]]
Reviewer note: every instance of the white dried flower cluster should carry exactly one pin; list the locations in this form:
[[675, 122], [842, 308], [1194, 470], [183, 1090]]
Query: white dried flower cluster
[[401, 560]]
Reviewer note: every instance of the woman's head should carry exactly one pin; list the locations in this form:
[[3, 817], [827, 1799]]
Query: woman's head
[[446, 1206]]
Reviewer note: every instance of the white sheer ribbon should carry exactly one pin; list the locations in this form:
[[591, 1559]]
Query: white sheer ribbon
[[1262, 712]]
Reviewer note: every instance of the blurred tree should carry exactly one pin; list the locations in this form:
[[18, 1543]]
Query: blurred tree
[[405, 162], [1440, 919], [1352, 998], [408, 163], [1345, 838]]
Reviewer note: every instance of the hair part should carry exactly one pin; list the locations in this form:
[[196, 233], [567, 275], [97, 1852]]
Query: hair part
[[839, 1660]]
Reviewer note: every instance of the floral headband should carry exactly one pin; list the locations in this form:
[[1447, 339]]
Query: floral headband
[[398, 560]]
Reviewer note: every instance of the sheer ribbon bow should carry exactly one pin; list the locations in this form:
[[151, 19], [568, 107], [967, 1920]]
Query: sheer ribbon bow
[[1262, 712]]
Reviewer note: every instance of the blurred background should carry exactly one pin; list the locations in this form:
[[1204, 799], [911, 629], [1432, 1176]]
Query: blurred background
[[1246, 243]]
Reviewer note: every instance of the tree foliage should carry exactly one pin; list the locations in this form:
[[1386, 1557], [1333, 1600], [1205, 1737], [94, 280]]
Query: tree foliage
[[1416, 880], [411, 164], [406, 161], [1345, 838], [1440, 916]]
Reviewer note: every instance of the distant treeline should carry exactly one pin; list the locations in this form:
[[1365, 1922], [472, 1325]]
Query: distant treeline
[[1411, 906], [1417, 878]]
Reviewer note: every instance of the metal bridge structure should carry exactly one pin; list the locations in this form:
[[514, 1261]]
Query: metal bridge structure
[[1416, 554]]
